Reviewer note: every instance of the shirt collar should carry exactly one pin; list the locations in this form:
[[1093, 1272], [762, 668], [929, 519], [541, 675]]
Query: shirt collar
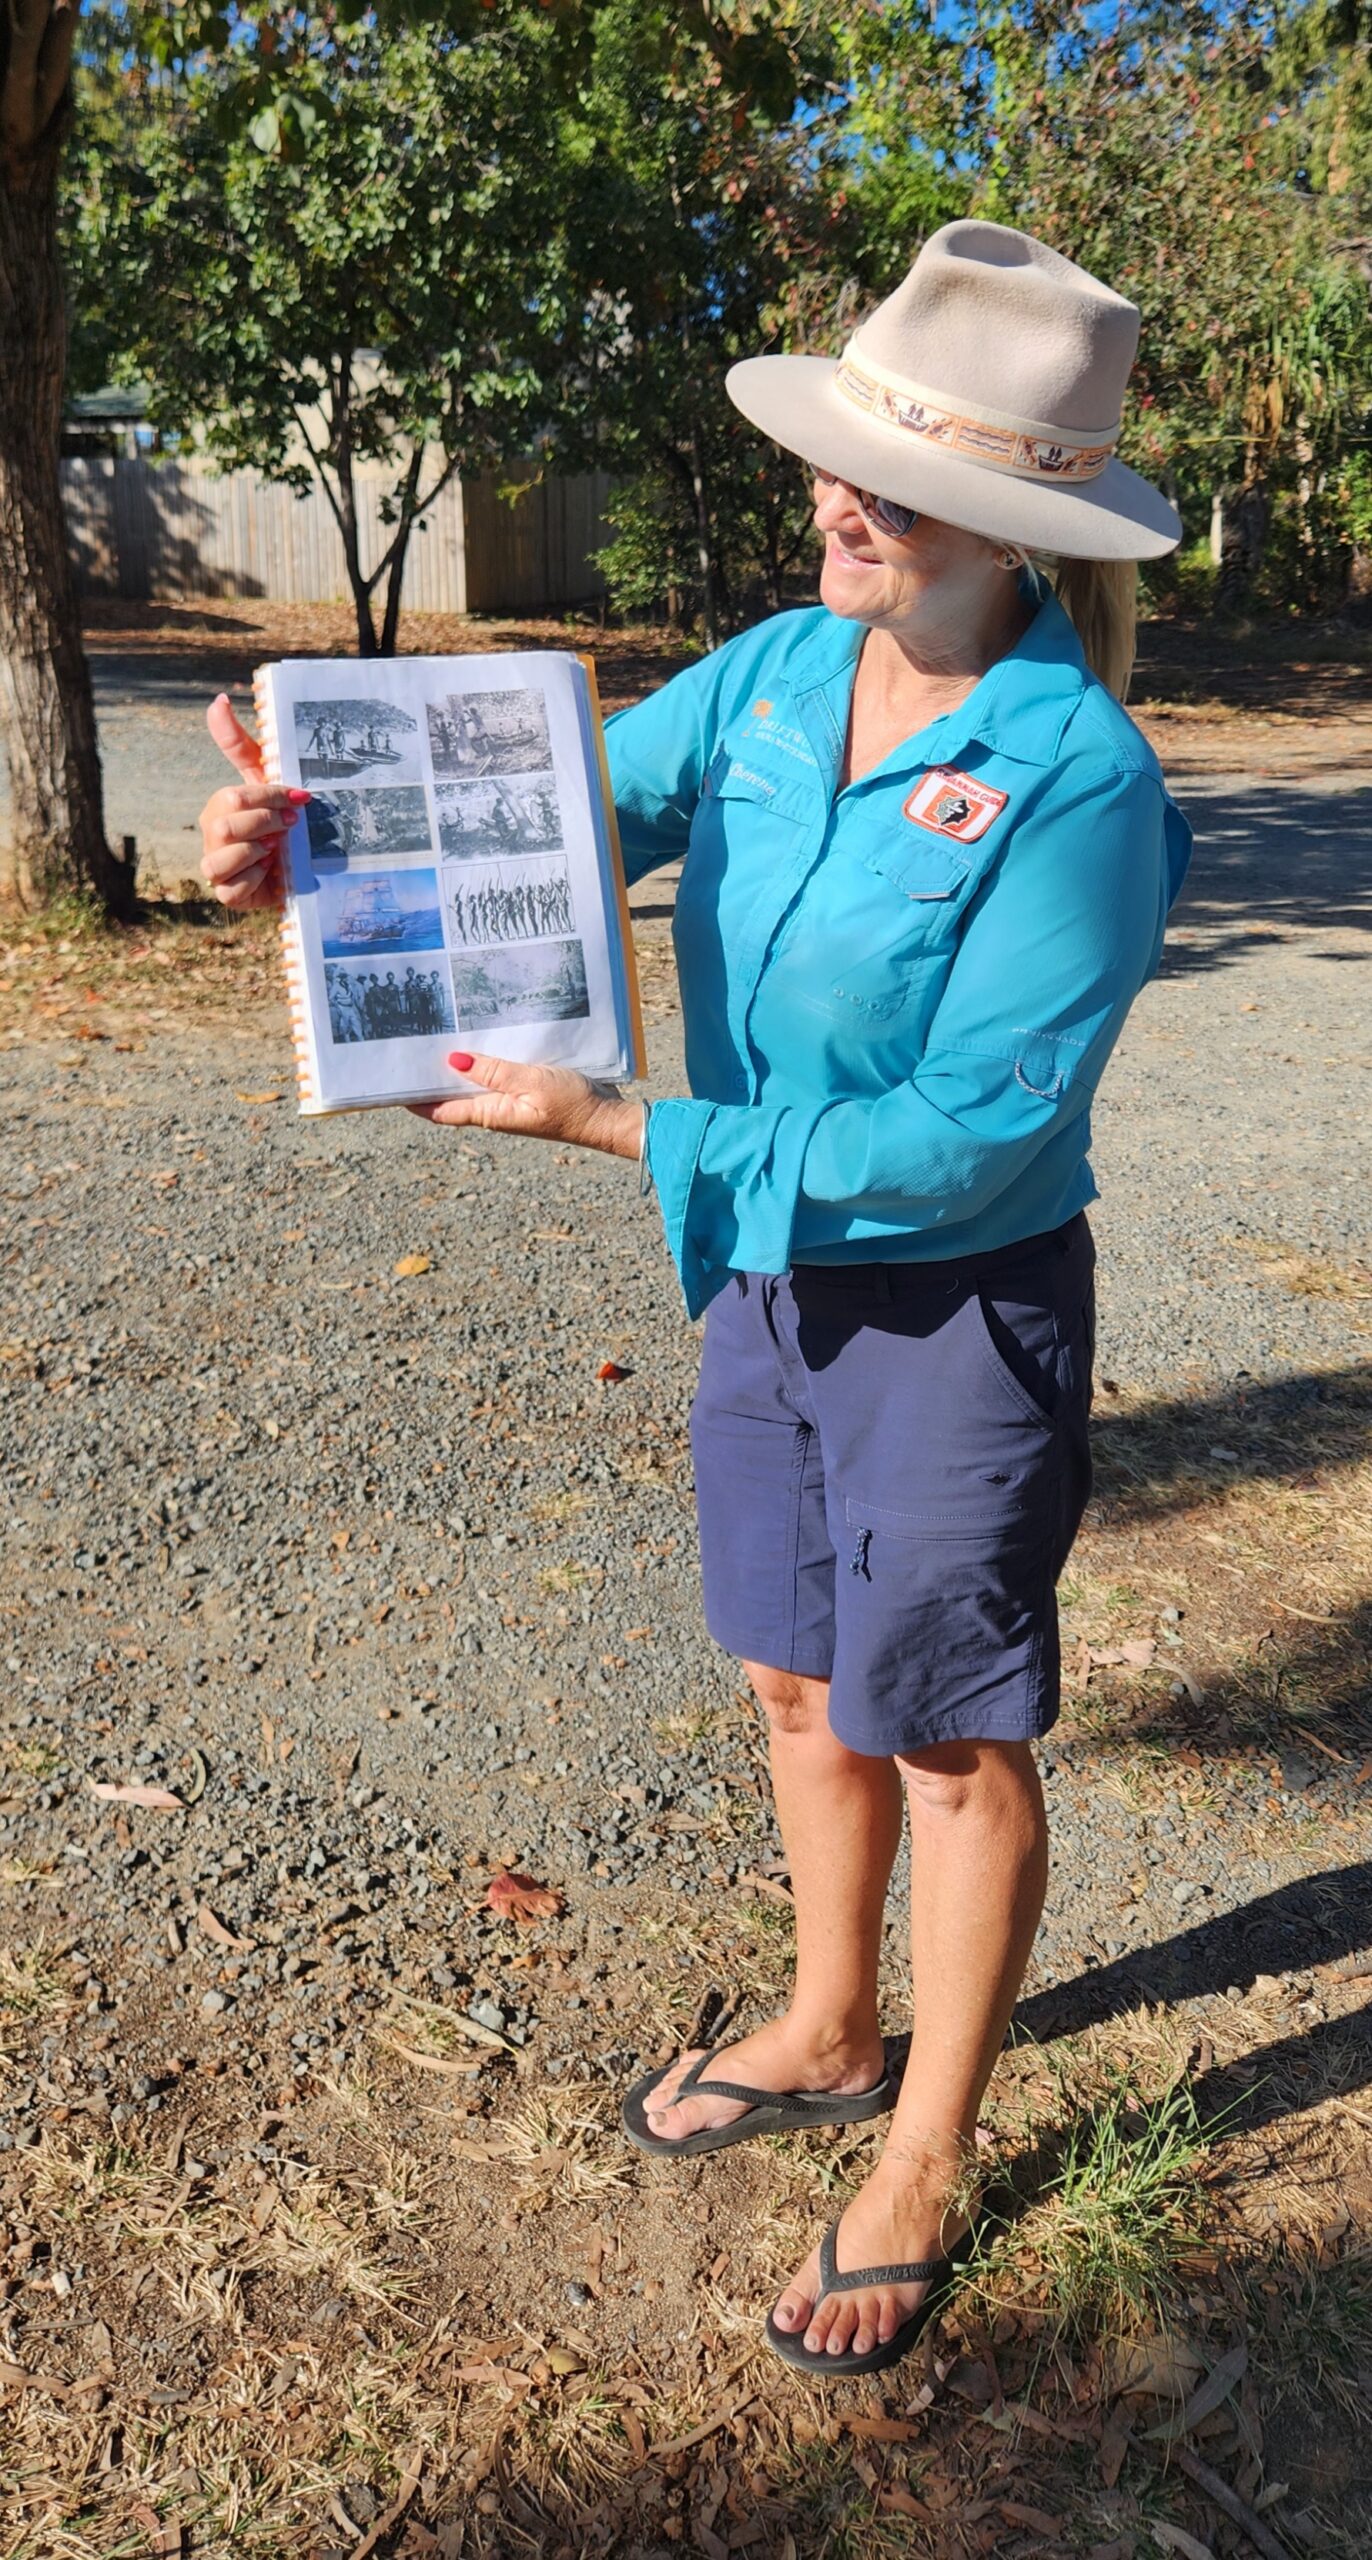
[[1019, 708]]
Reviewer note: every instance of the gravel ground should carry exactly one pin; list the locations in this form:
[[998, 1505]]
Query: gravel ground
[[383, 1581], [260, 1482]]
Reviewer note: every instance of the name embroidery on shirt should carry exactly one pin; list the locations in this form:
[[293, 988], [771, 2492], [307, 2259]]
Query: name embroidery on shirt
[[950, 803], [767, 729]]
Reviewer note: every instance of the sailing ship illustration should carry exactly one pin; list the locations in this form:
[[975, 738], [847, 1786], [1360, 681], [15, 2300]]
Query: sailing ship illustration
[[370, 913]]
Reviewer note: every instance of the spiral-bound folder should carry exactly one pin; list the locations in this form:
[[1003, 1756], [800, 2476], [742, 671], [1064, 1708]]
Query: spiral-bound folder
[[456, 875]]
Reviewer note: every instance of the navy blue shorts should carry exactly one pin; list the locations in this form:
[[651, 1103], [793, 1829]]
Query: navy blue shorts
[[891, 1465]]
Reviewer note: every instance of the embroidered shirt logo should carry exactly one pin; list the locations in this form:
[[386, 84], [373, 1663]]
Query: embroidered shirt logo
[[952, 804], [761, 707]]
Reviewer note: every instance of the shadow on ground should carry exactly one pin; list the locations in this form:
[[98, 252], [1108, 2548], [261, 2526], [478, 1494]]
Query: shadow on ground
[[1269, 856], [1174, 1452], [1313, 1921]]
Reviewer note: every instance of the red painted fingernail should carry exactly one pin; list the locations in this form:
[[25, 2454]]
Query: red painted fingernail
[[461, 1059], [299, 797]]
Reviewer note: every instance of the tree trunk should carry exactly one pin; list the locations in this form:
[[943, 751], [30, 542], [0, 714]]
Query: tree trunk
[[345, 506], [57, 819], [1242, 540], [395, 571], [705, 546]]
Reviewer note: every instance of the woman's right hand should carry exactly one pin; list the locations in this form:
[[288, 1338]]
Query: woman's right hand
[[243, 826]]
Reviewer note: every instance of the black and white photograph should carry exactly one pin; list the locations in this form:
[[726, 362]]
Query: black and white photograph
[[477, 818], [362, 912], [378, 822], [372, 1000], [509, 902], [504, 731], [353, 738], [511, 983]]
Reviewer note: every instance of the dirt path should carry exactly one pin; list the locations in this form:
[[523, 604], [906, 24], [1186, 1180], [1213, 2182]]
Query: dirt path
[[313, 2202]]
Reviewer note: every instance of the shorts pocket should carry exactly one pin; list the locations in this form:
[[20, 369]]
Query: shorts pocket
[[1023, 1361]]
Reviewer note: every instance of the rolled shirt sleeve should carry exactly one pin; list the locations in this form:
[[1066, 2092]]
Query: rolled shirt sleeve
[[1057, 943]]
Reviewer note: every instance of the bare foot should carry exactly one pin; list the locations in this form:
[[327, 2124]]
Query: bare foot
[[779, 2057], [890, 2222]]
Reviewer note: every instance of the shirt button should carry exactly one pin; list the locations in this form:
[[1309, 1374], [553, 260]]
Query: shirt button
[[740, 1084]]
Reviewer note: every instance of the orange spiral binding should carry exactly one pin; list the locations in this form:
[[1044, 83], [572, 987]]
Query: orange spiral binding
[[292, 955]]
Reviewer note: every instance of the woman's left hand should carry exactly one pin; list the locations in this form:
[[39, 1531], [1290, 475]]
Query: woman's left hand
[[538, 1102]]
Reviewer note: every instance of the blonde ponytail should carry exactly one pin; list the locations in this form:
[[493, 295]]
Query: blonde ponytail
[[1101, 597]]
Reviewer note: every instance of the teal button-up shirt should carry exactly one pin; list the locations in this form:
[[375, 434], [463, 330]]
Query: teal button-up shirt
[[898, 997]]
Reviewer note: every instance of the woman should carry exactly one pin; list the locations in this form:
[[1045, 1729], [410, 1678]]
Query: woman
[[928, 864]]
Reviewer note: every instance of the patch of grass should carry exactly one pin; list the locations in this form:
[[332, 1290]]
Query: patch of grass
[[556, 2142], [72, 916], [687, 1727], [769, 1919], [31, 1984], [570, 2444], [564, 1577], [428, 2026], [559, 1506], [1121, 2210], [1309, 1275], [1097, 1597], [36, 1760]]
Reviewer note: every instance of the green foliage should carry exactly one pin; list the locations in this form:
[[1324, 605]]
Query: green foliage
[[1211, 165], [701, 211], [356, 275], [562, 223]]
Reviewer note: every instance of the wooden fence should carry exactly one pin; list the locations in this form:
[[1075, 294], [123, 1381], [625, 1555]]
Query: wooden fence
[[163, 528]]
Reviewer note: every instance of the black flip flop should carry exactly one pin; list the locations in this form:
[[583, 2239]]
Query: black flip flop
[[938, 2273], [770, 2111]]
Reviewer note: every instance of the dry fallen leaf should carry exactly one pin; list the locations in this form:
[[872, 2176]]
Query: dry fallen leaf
[[518, 1897], [1173, 2537], [165, 2537], [160, 1798], [410, 1266], [755, 1883], [215, 1929], [1033, 2519], [1114, 2444], [896, 2501], [1156, 2368], [257, 1097]]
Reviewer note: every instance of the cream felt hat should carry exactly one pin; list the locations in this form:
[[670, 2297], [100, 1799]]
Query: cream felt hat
[[985, 391]]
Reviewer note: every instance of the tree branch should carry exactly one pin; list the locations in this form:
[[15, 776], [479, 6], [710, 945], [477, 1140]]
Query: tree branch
[[54, 61]]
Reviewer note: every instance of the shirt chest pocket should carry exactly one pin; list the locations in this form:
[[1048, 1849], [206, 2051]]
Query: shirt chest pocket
[[746, 836], [905, 900], [740, 789]]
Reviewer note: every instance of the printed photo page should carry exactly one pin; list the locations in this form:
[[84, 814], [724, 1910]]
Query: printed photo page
[[454, 879]]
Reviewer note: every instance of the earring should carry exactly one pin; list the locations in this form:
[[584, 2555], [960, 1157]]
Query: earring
[[1008, 559]]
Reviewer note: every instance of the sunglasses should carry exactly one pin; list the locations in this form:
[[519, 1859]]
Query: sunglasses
[[886, 513]]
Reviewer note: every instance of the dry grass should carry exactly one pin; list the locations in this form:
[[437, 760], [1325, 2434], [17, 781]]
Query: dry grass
[[1308, 1275], [284, 2350], [562, 2144]]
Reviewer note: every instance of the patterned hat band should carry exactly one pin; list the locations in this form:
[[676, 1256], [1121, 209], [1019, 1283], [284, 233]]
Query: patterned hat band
[[1026, 448]]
